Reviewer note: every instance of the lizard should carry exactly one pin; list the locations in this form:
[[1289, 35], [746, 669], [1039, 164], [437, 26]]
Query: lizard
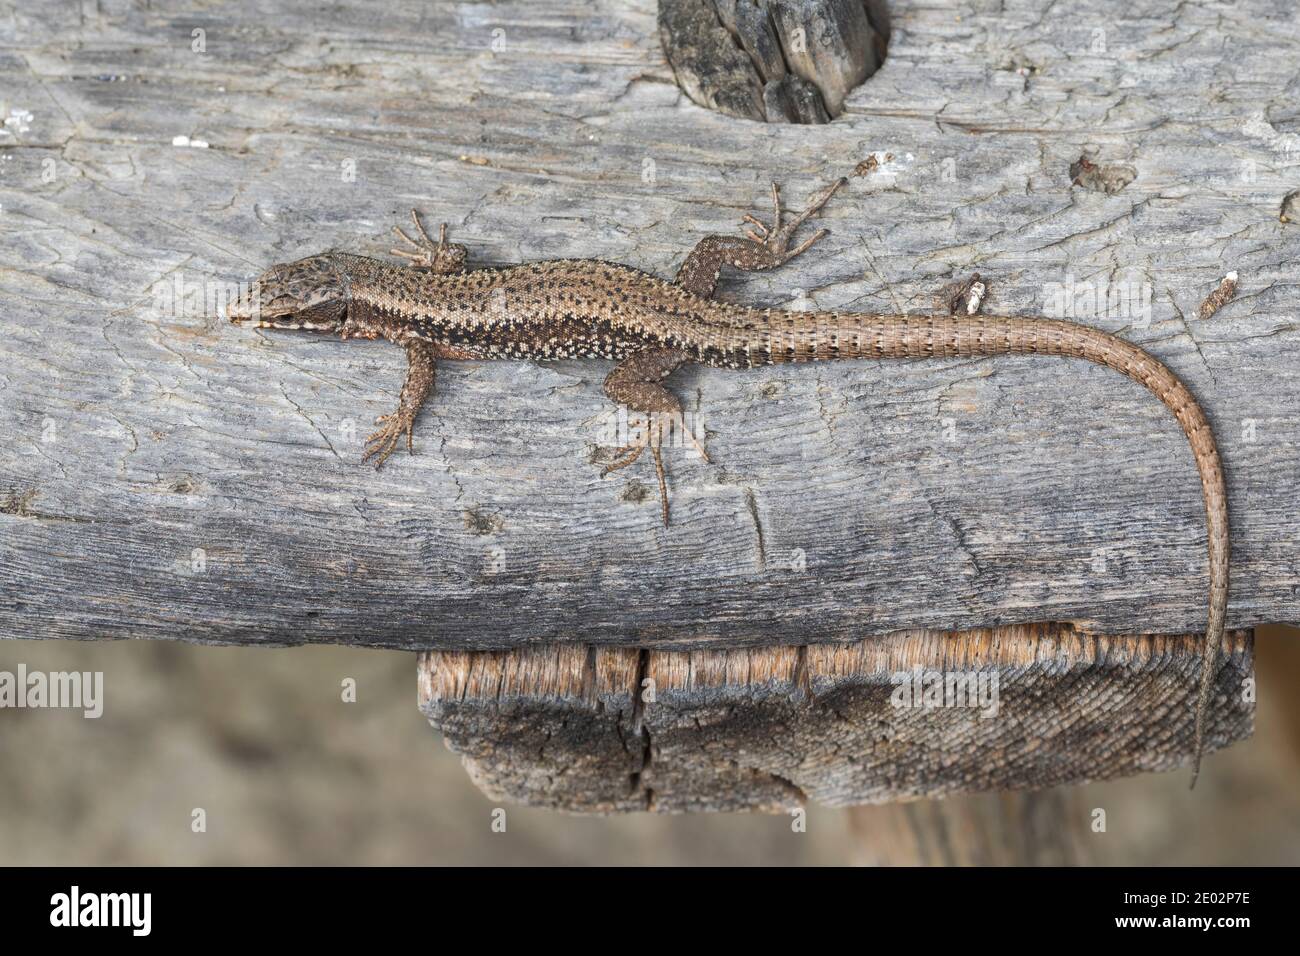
[[437, 309]]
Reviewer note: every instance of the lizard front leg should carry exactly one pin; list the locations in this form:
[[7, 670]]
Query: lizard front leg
[[635, 382], [764, 247], [442, 256], [420, 372]]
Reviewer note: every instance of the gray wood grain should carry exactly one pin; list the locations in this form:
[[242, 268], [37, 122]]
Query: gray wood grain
[[165, 475]]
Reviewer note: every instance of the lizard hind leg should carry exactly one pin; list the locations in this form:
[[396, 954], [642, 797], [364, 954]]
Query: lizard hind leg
[[763, 247], [636, 383]]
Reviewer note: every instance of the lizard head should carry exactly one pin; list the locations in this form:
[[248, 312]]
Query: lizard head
[[306, 294]]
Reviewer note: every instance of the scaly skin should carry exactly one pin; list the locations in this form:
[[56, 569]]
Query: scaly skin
[[584, 308]]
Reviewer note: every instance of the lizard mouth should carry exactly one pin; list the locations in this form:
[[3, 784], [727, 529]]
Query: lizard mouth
[[293, 316], [251, 309]]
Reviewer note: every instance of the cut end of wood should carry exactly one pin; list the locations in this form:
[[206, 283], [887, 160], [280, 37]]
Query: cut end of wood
[[917, 714]]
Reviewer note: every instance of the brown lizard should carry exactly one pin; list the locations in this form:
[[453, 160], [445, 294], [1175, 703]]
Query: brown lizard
[[587, 308]]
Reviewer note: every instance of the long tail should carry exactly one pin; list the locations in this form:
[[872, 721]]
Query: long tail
[[776, 337]]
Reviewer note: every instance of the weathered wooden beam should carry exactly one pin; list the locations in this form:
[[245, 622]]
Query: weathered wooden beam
[[599, 730], [166, 475]]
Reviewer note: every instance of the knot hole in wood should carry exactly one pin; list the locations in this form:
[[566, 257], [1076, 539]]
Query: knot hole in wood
[[775, 61]]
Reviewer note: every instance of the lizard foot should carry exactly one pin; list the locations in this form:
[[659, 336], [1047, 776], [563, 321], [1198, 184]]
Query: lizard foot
[[652, 437], [383, 442], [441, 256], [776, 237]]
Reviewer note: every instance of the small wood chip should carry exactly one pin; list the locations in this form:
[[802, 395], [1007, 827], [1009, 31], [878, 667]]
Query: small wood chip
[[1219, 297], [964, 296], [871, 164]]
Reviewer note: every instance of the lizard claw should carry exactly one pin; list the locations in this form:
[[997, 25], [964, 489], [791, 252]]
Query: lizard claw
[[776, 237], [627, 455], [383, 442], [653, 438], [761, 236], [441, 256]]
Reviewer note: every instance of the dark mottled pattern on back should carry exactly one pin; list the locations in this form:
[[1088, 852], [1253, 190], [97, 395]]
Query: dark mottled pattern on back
[[556, 309]]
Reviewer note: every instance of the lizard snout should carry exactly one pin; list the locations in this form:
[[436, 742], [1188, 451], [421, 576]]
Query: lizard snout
[[242, 309]]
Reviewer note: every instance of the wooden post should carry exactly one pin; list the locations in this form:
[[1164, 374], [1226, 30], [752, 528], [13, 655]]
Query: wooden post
[[987, 829], [598, 730]]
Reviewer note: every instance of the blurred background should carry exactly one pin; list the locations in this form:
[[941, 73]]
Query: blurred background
[[286, 772]]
